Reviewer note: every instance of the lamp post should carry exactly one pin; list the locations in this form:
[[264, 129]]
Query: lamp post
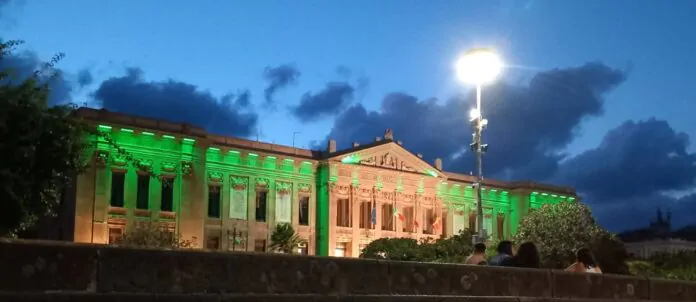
[[478, 67]]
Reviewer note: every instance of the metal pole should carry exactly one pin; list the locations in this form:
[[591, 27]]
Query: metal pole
[[293, 138], [479, 165]]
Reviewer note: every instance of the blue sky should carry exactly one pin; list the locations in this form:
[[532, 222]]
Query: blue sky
[[393, 45]]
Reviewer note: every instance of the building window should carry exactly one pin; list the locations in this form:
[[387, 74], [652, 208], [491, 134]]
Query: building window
[[118, 181], [304, 210], [428, 220], [167, 201], [341, 249], [501, 226], [388, 217], [236, 240], [302, 248], [343, 217], [143, 197], [213, 242], [214, 201], [261, 197], [115, 234], [260, 245], [366, 215], [408, 224]]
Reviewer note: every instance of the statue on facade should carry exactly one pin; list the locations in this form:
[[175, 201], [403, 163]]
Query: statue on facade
[[388, 135]]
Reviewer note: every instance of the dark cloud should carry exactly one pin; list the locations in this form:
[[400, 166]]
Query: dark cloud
[[84, 78], [329, 101], [634, 159], [626, 177], [176, 101], [637, 212], [24, 64], [536, 121], [279, 77]]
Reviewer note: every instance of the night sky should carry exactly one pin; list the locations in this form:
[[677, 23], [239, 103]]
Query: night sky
[[596, 94]]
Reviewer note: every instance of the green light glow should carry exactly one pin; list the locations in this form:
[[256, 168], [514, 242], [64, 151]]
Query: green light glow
[[253, 154], [494, 190], [544, 194], [535, 193], [189, 140], [351, 159], [214, 149], [431, 173], [234, 152], [271, 157], [505, 192], [147, 133], [554, 195], [306, 162], [571, 198], [104, 127], [289, 160], [167, 136], [126, 130]]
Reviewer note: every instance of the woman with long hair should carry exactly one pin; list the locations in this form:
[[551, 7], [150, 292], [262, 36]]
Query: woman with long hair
[[584, 262], [527, 256]]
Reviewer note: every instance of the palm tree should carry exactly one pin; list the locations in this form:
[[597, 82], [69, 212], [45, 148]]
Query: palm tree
[[284, 239]]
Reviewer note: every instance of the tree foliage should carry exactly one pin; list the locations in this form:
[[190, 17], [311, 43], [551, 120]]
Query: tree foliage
[[284, 239], [560, 229], [680, 265], [154, 236], [42, 147], [454, 249]]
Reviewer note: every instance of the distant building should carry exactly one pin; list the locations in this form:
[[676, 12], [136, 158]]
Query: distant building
[[228, 193], [658, 237]]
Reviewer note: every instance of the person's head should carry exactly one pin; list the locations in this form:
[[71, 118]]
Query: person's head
[[528, 255], [584, 256], [479, 248], [505, 247]]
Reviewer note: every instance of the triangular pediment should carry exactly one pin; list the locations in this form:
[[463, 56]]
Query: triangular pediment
[[390, 156]]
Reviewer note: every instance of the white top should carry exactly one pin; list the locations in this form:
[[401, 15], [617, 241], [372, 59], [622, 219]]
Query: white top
[[592, 270]]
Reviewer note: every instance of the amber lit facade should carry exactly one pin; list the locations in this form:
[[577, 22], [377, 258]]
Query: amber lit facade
[[228, 193]]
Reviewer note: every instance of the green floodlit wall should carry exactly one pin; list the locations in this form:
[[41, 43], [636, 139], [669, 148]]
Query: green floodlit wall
[[191, 195], [322, 227]]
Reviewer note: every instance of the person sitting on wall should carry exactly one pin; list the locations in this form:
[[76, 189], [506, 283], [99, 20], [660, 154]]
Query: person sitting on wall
[[504, 252], [584, 262], [527, 256], [479, 255]]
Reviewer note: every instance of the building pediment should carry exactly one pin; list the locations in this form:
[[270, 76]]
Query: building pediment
[[388, 156]]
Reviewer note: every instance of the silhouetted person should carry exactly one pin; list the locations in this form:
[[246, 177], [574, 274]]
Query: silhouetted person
[[527, 256], [504, 252], [479, 255], [584, 262]]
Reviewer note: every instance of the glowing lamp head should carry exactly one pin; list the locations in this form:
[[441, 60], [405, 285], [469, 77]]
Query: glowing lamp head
[[479, 66]]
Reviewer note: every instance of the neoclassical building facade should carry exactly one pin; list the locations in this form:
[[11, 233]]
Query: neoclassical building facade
[[228, 193]]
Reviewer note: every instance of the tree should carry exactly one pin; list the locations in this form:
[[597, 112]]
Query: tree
[[284, 239], [155, 237], [42, 147], [401, 249], [560, 229], [454, 249]]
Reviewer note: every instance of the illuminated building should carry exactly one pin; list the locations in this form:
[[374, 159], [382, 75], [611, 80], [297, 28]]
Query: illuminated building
[[228, 193]]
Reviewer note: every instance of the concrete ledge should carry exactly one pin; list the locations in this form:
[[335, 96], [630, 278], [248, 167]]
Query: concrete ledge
[[113, 297], [48, 266]]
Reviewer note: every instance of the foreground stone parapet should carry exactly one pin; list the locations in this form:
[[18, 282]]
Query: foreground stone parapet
[[113, 297], [45, 266]]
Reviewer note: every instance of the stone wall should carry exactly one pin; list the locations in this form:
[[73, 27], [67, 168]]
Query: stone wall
[[79, 268]]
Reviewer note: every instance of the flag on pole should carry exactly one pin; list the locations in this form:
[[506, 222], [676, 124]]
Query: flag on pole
[[374, 214], [397, 214], [436, 223]]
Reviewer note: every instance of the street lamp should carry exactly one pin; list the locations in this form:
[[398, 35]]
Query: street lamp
[[478, 67]]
